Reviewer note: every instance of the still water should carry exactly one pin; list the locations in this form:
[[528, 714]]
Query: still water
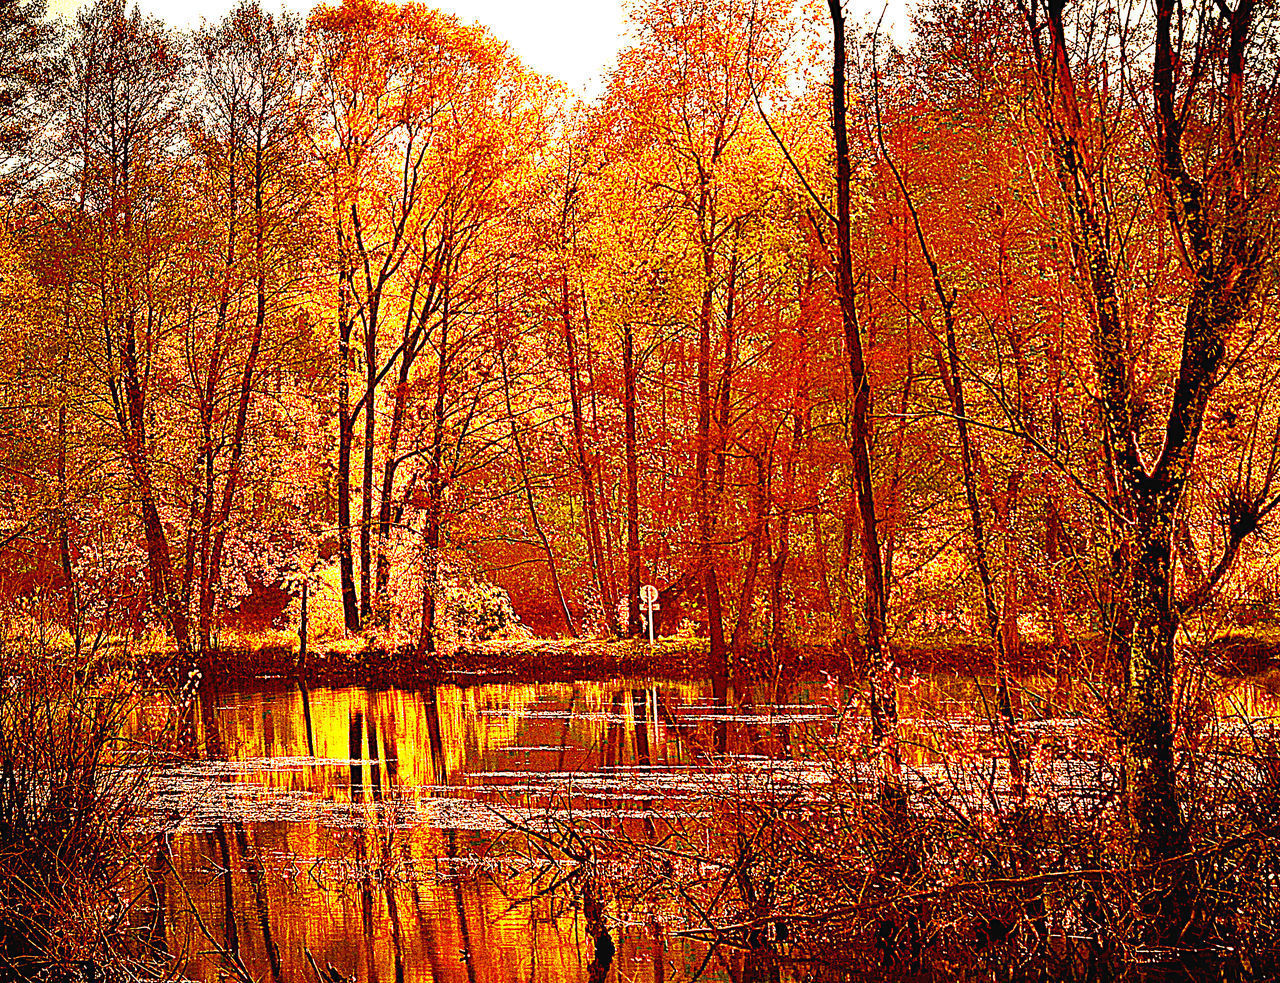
[[357, 824], [360, 828]]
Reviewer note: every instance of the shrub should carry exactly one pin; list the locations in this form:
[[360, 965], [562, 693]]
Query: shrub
[[76, 758], [828, 869]]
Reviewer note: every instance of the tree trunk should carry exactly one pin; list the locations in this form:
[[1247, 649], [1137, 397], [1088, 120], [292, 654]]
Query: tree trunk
[[303, 629], [884, 698], [74, 624], [1009, 629], [633, 480], [970, 466], [820, 555], [346, 427], [782, 553], [382, 563], [528, 495], [245, 395], [1148, 742], [848, 526], [1052, 554], [759, 533], [414, 334], [430, 574], [165, 596], [435, 490], [702, 458], [595, 552], [1220, 240], [370, 401], [899, 440]]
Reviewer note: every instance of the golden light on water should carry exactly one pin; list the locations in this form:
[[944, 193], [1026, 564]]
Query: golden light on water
[[358, 824]]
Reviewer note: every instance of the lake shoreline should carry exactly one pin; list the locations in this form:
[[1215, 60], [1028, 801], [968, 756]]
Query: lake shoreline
[[574, 659]]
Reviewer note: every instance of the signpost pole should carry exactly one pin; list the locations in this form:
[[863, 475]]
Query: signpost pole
[[649, 594]]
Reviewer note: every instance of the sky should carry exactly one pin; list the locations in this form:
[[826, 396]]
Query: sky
[[572, 40]]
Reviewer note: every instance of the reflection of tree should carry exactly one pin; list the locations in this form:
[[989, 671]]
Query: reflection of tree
[[366, 897], [251, 860]]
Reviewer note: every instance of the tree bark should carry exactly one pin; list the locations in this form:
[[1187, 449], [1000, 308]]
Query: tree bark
[[244, 399], [1223, 255], [529, 500], [780, 545], [435, 490], [370, 403], [591, 518], [166, 596], [884, 699], [759, 534], [422, 305], [346, 426], [633, 479], [703, 450], [74, 622], [970, 466]]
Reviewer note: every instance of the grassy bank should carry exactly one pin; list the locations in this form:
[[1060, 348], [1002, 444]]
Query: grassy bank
[[565, 659]]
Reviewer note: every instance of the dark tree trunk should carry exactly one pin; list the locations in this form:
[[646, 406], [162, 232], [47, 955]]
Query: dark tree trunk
[[382, 563], [633, 480], [245, 396], [884, 698], [415, 329], [435, 489], [166, 596], [346, 427], [1220, 239], [595, 552], [370, 403]]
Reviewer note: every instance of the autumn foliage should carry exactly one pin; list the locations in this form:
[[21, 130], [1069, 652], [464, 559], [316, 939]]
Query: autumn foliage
[[979, 342], [352, 299]]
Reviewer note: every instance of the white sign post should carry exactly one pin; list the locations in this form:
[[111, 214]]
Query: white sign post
[[649, 594]]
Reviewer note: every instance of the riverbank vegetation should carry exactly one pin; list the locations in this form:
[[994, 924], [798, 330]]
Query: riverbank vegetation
[[79, 741], [790, 860], [357, 329]]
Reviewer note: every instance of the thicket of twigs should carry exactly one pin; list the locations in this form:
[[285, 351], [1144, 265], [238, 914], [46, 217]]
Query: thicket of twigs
[[76, 759], [822, 870]]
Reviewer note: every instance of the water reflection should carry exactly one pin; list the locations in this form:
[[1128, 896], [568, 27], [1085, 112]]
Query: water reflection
[[357, 824]]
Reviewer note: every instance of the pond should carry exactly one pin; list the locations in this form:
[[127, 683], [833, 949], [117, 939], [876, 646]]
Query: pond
[[356, 826]]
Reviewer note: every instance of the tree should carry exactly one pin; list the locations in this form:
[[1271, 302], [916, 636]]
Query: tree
[[248, 141], [884, 703], [28, 74], [118, 135], [686, 91], [1209, 140], [423, 120], [568, 191]]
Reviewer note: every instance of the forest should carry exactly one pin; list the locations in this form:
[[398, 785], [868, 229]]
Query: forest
[[353, 332]]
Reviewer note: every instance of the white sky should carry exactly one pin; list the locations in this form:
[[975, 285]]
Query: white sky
[[572, 40]]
